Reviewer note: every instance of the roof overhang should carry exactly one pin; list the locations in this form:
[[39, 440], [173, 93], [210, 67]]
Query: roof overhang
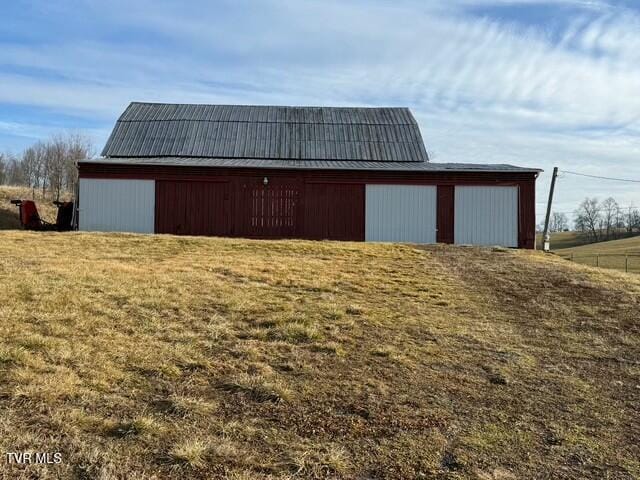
[[311, 164]]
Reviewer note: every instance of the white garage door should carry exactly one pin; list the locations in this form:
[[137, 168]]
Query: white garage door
[[117, 205], [400, 213], [486, 216]]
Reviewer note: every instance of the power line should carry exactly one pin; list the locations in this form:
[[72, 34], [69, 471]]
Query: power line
[[553, 211], [600, 177], [621, 208]]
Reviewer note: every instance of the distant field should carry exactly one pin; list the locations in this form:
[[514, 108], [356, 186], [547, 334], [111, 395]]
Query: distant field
[[140, 356], [562, 240], [624, 245], [621, 254]]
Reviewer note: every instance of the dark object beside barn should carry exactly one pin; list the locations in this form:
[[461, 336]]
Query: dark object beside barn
[[30, 218], [297, 172]]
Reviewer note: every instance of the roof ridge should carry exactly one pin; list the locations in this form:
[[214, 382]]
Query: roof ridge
[[257, 121], [268, 106]]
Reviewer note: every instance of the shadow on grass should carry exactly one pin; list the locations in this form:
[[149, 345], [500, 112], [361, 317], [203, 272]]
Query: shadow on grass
[[9, 219]]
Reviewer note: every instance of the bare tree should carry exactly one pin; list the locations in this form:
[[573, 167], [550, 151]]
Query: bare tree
[[620, 220], [15, 175], [56, 158], [39, 152], [610, 211], [33, 159], [632, 220], [50, 165], [78, 148], [636, 220], [589, 218], [558, 222], [3, 169]]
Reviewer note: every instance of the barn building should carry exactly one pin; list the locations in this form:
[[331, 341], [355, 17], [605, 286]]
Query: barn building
[[358, 174]]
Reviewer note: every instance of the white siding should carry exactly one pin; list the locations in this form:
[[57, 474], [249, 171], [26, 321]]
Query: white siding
[[400, 213], [486, 216], [117, 205]]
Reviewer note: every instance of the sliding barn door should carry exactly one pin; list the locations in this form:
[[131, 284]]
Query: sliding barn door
[[486, 216], [192, 208], [401, 213], [112, 205], [270, 210], [334, 211]]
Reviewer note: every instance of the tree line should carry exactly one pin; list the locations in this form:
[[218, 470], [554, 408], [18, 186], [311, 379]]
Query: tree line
[[49, 165], [605, 220], [599, 220]]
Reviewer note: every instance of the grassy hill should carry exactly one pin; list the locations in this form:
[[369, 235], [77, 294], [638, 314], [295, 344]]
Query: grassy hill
[[165, 357], [560, 240], [622, 246], [623, 254], [564, 240]]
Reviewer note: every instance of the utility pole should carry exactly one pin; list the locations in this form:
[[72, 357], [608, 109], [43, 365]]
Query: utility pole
[[545, 236]]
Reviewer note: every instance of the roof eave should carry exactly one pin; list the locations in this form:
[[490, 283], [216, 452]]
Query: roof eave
[[299, 165]]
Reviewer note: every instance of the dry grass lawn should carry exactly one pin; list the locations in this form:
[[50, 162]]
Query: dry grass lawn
[[166, 357]]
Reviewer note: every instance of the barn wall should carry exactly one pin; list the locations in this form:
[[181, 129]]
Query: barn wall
[[116, 205], [159, 172], [320, 198]]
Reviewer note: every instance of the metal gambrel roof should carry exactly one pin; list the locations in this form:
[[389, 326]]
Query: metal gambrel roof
[[311, 164], [263, 132]]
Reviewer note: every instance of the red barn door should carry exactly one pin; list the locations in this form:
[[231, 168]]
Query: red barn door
[[270, 210], [192, 208], [334, 211]]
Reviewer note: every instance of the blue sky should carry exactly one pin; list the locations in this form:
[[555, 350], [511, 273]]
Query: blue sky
[[529, 82]]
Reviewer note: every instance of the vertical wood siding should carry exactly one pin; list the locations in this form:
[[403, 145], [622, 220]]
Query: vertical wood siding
[[249, 208], [446, 202], [334, 211], [116, 205], [527, 214], [401, 213], [268, 211], [486, 216], [192, 208]]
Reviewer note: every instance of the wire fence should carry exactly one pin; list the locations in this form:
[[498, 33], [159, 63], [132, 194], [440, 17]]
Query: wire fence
[[626, 262]]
